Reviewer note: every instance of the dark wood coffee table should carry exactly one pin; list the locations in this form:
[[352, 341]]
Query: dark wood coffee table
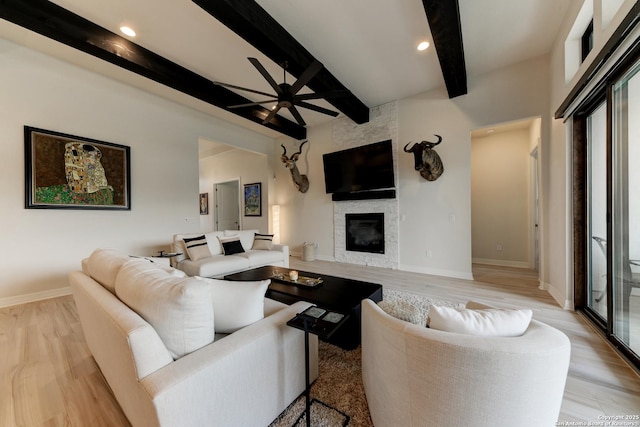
[[335, 294]]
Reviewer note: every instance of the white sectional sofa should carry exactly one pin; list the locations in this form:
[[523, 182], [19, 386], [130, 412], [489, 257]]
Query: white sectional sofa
[[218, 264], [154, 334]]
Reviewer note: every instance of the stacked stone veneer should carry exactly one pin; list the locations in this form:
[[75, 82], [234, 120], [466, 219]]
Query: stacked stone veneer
[[382, 125]]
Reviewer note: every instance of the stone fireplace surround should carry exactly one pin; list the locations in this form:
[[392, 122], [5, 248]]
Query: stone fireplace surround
[[390, 209], [382, 125]]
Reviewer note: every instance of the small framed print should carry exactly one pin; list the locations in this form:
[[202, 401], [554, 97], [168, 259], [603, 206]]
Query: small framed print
[[253, 199], [204, 203]]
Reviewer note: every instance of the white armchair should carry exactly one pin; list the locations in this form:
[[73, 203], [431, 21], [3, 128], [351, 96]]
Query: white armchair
[[416, 376]]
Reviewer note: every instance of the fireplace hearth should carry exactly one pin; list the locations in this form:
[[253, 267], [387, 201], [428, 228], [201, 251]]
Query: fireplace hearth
[[365, 232]]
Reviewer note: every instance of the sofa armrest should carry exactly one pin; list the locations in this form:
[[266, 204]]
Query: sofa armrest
[[285, 253], [262, 363]]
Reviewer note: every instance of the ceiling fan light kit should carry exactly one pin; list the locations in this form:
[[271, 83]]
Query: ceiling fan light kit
[[286, 95]]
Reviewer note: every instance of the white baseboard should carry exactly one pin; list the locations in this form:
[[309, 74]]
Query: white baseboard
[[566, 304], [35, 296], [319, 257], [501, 262]]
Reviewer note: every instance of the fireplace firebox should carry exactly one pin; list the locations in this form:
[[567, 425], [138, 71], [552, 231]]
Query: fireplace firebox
[[365, 232]]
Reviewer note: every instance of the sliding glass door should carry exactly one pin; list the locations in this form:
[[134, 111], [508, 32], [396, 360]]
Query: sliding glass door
[[606, 200], [626, 209]]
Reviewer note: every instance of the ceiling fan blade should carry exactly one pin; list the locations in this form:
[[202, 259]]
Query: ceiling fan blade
[[242, 88], [251, 104], [322, 95], [316, 108], [306, 75], [266, 75], [271, 115], [296, 114]]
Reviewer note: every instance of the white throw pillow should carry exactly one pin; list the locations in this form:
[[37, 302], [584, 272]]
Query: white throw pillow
[[103, 266], [262, 242], [236, 304], [179, 309], [493, 322], [197, 247]]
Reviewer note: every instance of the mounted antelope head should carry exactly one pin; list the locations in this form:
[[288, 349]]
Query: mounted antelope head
[[426, 160], [300, 181]]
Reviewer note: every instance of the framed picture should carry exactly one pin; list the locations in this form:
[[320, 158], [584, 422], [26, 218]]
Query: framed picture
[[253, 199], [204, 203], [71, 172]]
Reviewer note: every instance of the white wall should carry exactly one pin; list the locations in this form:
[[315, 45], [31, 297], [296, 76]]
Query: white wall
[[438, 215], [40, 246], [500, 198], [245, 165], [305, 217], [435, 216]]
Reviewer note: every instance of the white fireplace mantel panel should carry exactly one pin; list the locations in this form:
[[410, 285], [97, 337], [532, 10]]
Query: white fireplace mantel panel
[[382, 125]]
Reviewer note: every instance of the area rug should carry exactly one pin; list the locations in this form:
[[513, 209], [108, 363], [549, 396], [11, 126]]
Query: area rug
[[338, 392]]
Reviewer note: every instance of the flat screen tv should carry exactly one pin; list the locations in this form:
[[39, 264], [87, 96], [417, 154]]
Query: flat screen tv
[[369, 167]]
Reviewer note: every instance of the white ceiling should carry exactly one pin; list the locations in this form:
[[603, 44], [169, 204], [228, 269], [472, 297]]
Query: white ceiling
[[370, 46]]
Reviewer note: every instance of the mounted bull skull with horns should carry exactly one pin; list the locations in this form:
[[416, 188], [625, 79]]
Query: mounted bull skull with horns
[[427, 161], [299, 180]]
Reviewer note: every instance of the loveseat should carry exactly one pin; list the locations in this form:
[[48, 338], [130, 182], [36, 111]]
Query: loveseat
[[183, 351], [427, 377], [217, 260]]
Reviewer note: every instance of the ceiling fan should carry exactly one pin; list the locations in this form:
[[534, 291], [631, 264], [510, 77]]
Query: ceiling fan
[[287, 95]]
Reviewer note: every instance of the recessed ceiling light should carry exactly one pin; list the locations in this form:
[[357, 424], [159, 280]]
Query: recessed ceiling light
[[423, 46], [491, 130], [128, 31]]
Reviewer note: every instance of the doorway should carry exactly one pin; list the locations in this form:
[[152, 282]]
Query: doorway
[[504, 194], [227, 205]]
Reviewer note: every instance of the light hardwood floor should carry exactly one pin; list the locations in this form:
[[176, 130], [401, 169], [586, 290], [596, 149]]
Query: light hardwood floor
[[48, 377]]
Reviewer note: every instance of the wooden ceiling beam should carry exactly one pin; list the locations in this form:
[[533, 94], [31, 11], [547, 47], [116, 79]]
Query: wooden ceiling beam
[[251, 22], [444, 21], [57, 23]]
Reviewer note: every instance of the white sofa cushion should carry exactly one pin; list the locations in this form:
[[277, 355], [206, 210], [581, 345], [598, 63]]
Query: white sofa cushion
[[485, 322], [103, 266], [259, 257], [236, 304], [179, 309], [216, 265]]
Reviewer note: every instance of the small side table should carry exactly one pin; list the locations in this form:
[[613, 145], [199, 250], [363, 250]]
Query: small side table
[[320, 322], [163, 257]]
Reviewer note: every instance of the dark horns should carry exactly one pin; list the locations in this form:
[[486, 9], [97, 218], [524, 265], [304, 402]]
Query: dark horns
[[284, 152], [422, 145]]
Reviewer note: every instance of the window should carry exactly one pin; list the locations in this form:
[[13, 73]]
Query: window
[[586, 41], [596, 189]]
